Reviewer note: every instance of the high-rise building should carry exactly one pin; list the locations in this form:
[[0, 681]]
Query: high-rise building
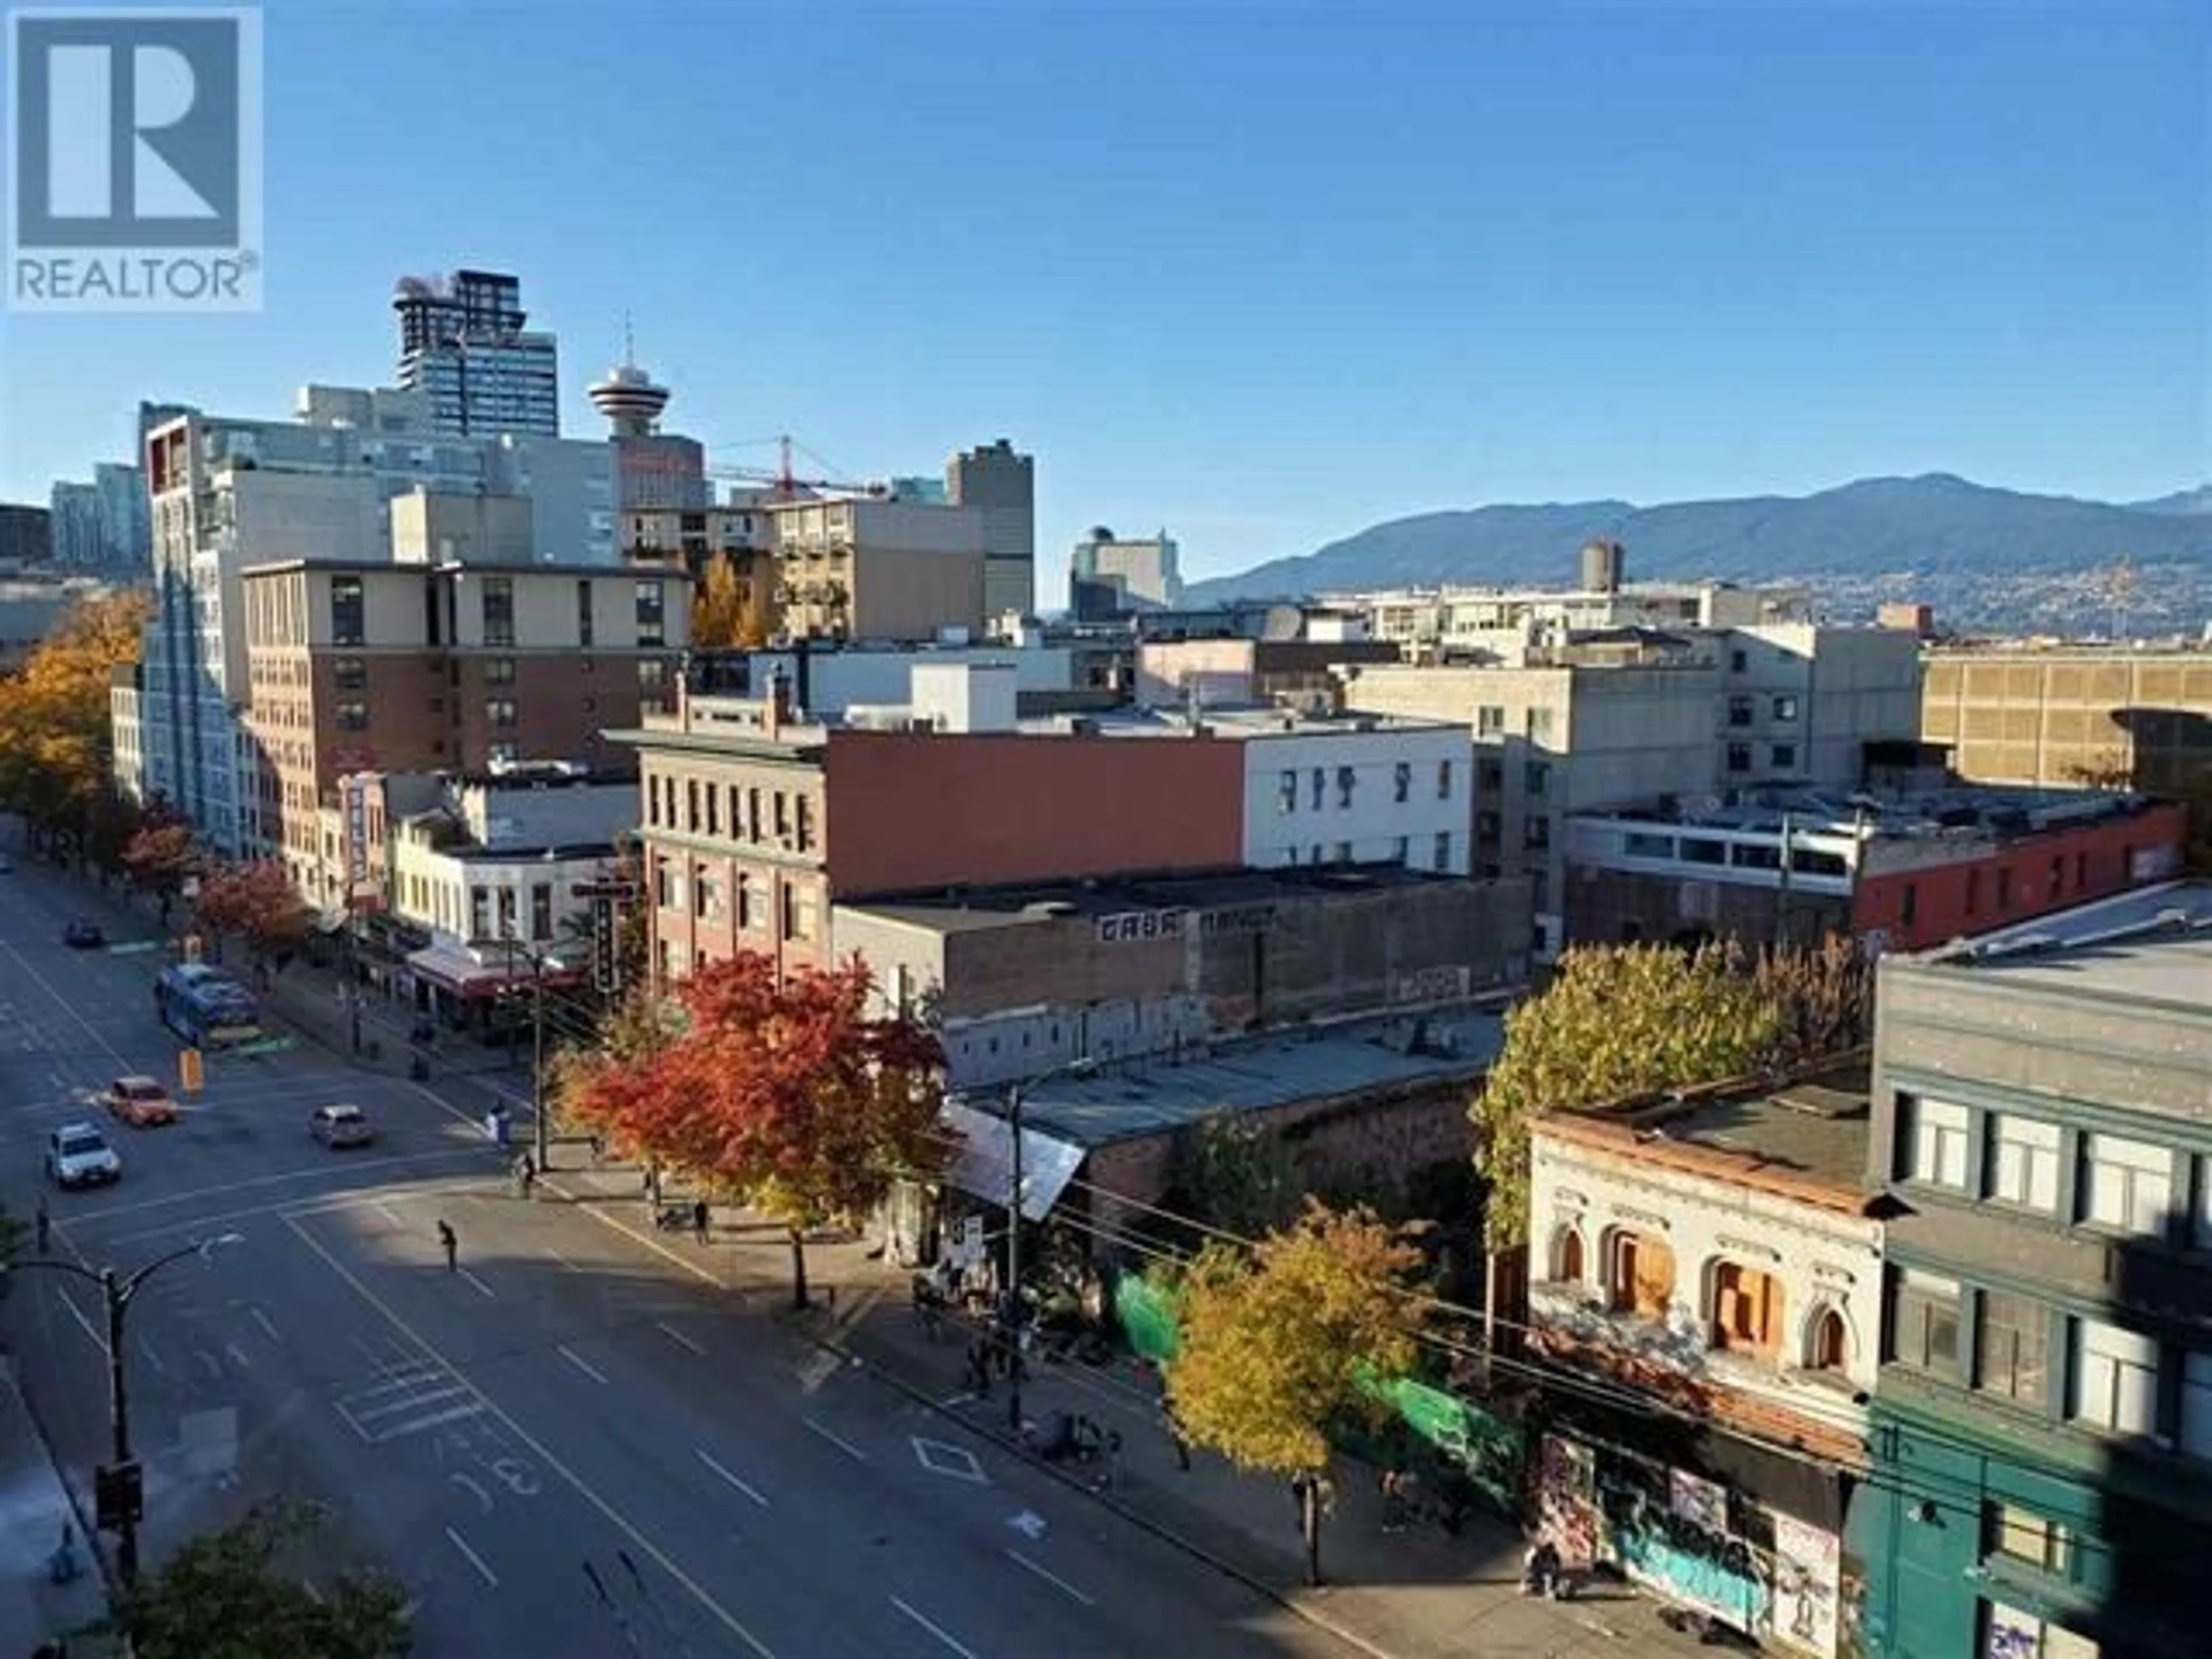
[[463, 343], [654, 470], [1135, 575], [1001, 485], [26, 536], [103, 525]]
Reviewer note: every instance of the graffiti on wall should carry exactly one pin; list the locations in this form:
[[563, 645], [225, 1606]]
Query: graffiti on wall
[[1808, 1568], [1566, 1500]]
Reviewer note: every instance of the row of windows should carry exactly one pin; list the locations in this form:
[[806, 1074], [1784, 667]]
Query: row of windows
[[1490, 721], [1742, 1308], [2119, 1183], [705, 806], [2113, 1379], [1743, 709], [1347, 783], [705, 895], [1402, 852], [1780, 757]]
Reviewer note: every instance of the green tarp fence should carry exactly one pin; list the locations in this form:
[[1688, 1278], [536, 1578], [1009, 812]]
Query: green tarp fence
[[1490, 1452]]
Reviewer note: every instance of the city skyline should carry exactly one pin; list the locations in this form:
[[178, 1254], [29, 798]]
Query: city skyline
[[1246, 283]]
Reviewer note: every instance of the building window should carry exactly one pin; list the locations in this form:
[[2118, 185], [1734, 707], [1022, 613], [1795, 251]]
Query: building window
[[1746, 1310], [798, 914], [1346, 780], [710, 898], [1319, 786], [1401, 850], [1908, 909], [1923, 1323], [498, 601], [2196, 1406], [349, 674], [2012, 1634], [2011, 1348], [652, 676], [1567, 1256], [541, 911], [1443, 851], [584, 636], [1286, 792], [352, 716], [1933, 1146], [652, 614], [1784, 757], [1340, 854], [1785, 707], [1739, 757], [1402, 780], [1536, 779], [1444, 779], [2115, 1379], [1830, 1348], [692, 816], [499, 711], [1490, 721], [1539, 832], [2125, 1184], [749, 904], [349, 612], [1489, 776], [479, 913], [1540, 723], [668, 886], [1640, 1275], [2023, 1162], [1739, 661], [498, 671], [1739, 711], [2024, 1537]]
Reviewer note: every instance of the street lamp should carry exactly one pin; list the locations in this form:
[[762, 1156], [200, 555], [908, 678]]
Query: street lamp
[[539, 961], [1014, 1094], [117, 1294]]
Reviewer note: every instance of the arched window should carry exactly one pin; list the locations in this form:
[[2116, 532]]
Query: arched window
[[1829, 1348], [1567, 1256], [1746, 1308], [1639, 1273]]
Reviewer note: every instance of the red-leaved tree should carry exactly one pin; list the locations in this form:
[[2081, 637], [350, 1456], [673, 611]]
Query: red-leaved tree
[[783, 1092], [257, 900]]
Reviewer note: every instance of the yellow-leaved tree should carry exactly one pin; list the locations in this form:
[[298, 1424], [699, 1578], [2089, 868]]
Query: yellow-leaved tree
[[718, 608], [1277, 1342], [55, 747]]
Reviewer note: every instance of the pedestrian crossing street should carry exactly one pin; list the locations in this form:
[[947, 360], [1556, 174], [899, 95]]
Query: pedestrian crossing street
[[407, 1394]]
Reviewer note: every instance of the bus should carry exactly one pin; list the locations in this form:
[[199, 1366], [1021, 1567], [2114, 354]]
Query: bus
[[205, 1007]]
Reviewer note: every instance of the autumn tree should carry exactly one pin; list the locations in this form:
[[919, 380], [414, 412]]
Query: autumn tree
[[161, 855], [55, 741], [227, 1594], [256, 901], [718, 607], [1278, 1343], [1238, 1175], [782, 1090]]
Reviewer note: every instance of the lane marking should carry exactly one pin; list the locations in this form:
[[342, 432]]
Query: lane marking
[[238, 1356], [708, 1460], [564, 1262], [836, 1440], [146, 1351], [473, 1558], [214, 1365], [543, 1454], [677, 1337], [83, 1324], [475, 1488], [266, 1324], [311, 1172], [582, 1363], [1049, 1578], [482, 1287], [390, 1214], [934, 1630]]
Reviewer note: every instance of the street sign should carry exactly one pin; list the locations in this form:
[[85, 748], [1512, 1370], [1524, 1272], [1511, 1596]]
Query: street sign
[[189, 1071], [119, 1491], [607, 930]]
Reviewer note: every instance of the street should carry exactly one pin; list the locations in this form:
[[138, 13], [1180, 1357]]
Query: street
[[562, 1445]]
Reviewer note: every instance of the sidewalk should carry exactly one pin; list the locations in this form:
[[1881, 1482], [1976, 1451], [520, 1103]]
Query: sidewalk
[[34, 1507], [1416, 1594]]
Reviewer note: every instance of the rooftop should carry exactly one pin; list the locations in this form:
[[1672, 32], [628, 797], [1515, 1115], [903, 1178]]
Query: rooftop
[[1809, 1136], [1988, 809], [1229, 721], [2153, 945], [1341, 1063], [975, 910]]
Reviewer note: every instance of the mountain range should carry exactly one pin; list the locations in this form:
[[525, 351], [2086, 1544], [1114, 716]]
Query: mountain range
[[1935, 524]]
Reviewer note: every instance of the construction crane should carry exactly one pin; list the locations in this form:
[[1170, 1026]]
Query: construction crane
[[788, 484]]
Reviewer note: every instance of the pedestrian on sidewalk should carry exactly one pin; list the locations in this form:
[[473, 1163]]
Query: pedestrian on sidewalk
[[700, 1218], [1176, 1437], [979, 1368], [1394, 1500], [45, 1229], [450, 1245]]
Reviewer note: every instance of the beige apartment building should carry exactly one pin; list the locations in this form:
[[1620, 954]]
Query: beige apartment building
[[2069, 715], [386, 667]]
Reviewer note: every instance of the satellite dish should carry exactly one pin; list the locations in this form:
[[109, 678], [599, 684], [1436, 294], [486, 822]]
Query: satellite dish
[[1284, 621]]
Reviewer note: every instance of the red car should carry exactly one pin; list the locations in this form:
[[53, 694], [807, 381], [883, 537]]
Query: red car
[[141, 1102]]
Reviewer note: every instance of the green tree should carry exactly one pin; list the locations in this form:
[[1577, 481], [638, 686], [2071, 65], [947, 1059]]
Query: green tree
[[1278, 1343], [227, 1595], [1237, 1175], [1616, 1021]]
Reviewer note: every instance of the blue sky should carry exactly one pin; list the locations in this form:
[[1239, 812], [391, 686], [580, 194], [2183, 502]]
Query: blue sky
[[1263, 274]]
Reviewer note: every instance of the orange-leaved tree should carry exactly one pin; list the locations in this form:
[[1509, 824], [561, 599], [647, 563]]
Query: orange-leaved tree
[[257, 900], [783, 1090], [54, 722]]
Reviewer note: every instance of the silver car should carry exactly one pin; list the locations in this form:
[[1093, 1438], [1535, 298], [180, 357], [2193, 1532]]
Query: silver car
[[341, 1125]]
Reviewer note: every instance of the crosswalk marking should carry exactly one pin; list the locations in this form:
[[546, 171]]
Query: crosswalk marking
[[406, 1399]]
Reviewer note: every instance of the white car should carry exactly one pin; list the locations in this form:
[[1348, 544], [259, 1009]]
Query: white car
[[78, 1156]]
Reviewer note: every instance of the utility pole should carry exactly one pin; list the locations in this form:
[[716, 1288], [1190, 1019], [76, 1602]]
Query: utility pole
[[1013, 1296], [121, 1477], [537, 1060]]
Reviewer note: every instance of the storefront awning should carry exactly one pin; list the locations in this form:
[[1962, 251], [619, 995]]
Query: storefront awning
[[457, 971], [982, 1168]]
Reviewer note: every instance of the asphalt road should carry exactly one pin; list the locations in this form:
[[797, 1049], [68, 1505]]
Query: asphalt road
[[564, 1447]]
